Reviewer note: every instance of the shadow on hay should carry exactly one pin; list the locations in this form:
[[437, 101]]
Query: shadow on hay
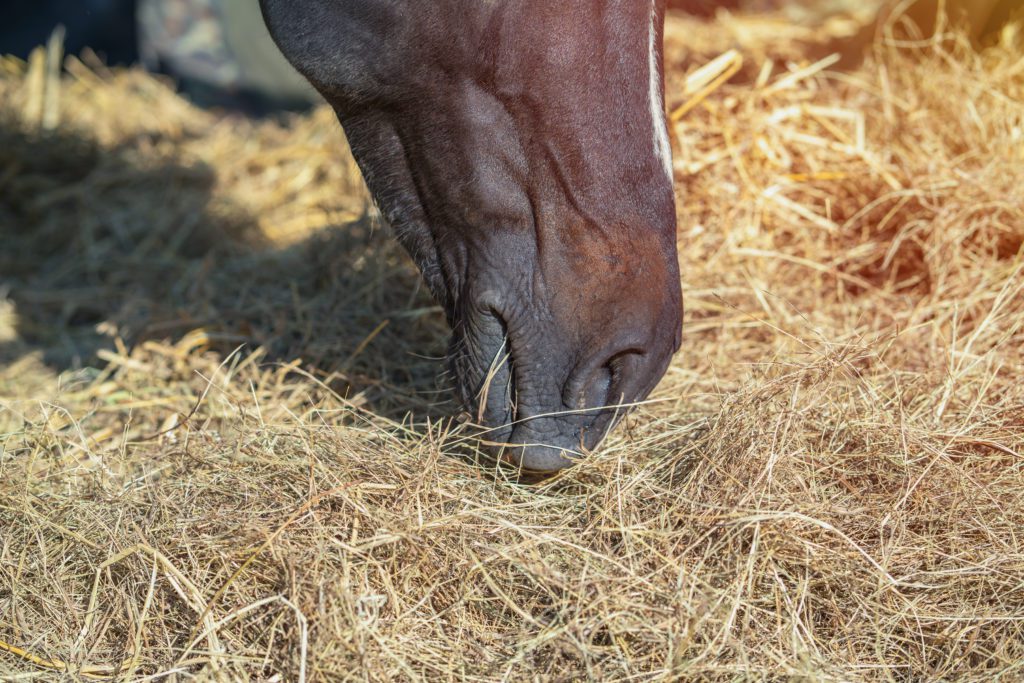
[[104, 243]]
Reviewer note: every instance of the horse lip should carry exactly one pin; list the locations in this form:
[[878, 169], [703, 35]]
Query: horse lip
[[539, 458], [549, 442]]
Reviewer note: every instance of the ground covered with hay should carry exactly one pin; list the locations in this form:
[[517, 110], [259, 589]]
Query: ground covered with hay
[[225, 452]]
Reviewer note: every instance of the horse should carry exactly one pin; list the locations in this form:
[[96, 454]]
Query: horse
[[519, 151]]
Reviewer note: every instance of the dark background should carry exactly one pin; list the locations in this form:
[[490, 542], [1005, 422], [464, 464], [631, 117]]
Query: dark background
[[108, 26]]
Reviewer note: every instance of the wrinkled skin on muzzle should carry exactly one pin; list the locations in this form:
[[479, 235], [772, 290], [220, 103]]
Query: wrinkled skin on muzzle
[[518, 149]]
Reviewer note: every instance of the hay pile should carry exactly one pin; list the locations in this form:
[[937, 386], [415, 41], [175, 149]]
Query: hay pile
[[209, 348]]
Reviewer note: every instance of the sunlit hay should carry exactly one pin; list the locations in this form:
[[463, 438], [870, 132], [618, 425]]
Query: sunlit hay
[[204, 429]]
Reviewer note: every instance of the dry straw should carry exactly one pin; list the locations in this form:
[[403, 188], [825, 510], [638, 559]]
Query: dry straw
[[829, 484]]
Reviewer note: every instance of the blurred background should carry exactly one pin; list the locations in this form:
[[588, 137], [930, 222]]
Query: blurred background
[[218, 51], [220, 54]]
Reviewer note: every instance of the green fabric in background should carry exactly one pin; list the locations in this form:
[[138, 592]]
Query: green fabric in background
[[221, 54]]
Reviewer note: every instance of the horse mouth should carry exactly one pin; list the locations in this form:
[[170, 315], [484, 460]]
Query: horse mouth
[[534, 438]]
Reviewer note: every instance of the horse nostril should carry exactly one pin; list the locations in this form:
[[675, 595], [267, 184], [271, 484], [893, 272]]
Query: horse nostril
[[603, 387], [597, 389]]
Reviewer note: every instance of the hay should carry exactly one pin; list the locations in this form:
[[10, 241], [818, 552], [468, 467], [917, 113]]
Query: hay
[[208, 349]]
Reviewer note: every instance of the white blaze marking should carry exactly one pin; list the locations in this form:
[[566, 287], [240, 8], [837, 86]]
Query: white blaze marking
[[661, 144]]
